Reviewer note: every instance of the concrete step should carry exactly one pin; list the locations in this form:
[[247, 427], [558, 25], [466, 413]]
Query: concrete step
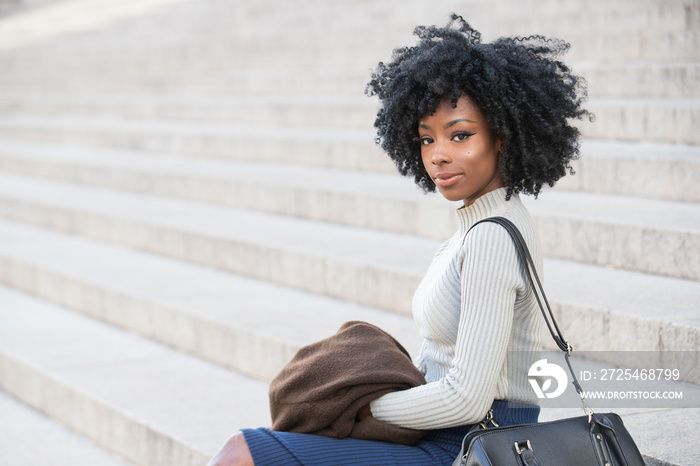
[[337, 148], [649, 79], [666, 172], [105, 386], [602, 229], [373, 268], [309, 81], [152, 404], [349, 111], [364, 47], [661, 172], [625, 79], [369, 200], [661, 120], [37, 25], [348, 263], [626, 15], [636, 169], [88, 374], [634, 119], [611, 164], [657, 237], [219, 316], [246, 325], [27, 437], [346, 33], [356, 31]]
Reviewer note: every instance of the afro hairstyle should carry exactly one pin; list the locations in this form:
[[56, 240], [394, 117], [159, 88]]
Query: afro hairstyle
[[526, 95]]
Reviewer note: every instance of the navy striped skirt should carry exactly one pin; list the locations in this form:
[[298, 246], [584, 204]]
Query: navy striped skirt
[[438, 447]]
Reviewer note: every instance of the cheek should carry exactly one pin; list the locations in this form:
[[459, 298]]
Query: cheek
[[487, 154]]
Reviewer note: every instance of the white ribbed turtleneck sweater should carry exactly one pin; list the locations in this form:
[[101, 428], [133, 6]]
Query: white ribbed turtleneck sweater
[[479, 320]]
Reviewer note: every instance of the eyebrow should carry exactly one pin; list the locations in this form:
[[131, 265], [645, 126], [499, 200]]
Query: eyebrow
[[448, 124], [454, 122]]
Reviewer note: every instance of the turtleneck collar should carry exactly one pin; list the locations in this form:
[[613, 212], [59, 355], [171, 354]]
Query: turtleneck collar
[[490, 204]]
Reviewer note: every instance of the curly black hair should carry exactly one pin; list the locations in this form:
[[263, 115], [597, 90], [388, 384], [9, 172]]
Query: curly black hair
[[525, 94]]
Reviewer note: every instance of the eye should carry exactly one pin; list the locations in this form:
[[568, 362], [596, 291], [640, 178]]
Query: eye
[[424, 141], [461, 137]]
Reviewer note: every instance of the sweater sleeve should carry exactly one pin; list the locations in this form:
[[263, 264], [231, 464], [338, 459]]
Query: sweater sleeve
[[490, 276]]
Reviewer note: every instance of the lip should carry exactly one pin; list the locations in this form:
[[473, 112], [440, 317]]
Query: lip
[[444, 180]]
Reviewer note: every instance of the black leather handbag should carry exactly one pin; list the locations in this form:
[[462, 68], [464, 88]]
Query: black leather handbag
[[590, 440]]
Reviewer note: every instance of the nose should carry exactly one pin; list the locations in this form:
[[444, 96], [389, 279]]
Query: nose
[[440, 154]]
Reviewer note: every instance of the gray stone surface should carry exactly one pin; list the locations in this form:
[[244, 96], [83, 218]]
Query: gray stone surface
[[247, 325], [650, 170], [660, 449], [654, 119], [154, 405], [36, 25], [659, 120], [597, 308], [649, 78], [336, 148], [656, 171], [605, 230], [28, 437], [262, 104], [638, 169], [623, 311], [110, 276], [651, 236], [640, 32]]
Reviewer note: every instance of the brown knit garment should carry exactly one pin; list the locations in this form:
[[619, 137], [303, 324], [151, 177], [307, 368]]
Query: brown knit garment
[[323, 387]]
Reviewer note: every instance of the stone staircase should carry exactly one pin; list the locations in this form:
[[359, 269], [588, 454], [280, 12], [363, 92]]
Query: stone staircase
[[189, 192]]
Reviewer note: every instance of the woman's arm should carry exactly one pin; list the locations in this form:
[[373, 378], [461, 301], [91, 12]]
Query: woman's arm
[[490, 276]]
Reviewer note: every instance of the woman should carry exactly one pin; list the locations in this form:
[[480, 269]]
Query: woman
[[481, 122]]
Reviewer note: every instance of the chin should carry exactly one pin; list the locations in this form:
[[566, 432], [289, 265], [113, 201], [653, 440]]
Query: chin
[[452, 197]]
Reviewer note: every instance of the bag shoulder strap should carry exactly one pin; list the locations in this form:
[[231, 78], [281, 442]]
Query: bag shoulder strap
[[532, 277], [534, 280]]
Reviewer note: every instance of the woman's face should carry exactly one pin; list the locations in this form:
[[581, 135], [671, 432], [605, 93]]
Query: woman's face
[[459, 152]]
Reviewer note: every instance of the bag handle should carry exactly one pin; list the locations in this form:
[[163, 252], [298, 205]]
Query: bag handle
[[538, 289]]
